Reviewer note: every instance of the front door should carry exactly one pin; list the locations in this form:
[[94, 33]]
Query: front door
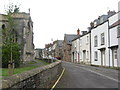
[[73, 56], [78, 58], [84, 56], [115, 57], [103, 57]]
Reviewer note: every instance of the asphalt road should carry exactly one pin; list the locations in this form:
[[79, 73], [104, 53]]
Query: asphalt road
[[82, 76]]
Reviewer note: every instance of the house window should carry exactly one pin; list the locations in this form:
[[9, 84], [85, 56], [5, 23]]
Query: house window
[[87, 55], [102, 39], [118, 31], [95, 41], [115, 54], [96, 56]]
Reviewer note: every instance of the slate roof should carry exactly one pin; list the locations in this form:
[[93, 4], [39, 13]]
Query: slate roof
[[70, 37]]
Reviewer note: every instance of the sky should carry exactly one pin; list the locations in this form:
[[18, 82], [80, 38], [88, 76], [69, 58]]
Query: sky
[[54, 18]]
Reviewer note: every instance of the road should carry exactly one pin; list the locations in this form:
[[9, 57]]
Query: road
[[84, 76]]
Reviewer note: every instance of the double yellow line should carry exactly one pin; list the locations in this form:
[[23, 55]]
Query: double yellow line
[[58, 79]]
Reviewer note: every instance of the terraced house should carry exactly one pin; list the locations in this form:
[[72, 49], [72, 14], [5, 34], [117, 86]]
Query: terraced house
[[100, 45], [113, 28], [81, 48], [118, 34], [104, 41], [67, 46]]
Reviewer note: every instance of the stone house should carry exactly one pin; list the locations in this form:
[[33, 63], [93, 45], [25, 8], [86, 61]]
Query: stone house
[[54, 50], [67, 46], [48, 50], [58, 49], [23, 33]]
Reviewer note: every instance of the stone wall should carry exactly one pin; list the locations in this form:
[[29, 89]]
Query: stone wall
[[42, 77]]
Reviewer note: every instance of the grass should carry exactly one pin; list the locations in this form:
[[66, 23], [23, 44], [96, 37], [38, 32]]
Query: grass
[[29, 66], [45, 63], [17, 70]]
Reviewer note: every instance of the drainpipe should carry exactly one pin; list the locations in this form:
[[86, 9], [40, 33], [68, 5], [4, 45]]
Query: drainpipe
[[109, 42], [90, 49]]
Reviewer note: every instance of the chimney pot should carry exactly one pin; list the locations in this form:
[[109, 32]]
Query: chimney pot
[[78, 32]]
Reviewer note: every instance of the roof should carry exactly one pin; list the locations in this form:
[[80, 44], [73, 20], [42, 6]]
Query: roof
[[70, 37], [81, 35], [115, 24]]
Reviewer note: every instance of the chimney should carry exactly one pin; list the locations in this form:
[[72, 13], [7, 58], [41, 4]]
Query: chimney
[[111, 13], [78, 32]]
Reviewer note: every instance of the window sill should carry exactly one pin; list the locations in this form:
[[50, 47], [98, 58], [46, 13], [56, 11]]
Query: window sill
[[102, 44]]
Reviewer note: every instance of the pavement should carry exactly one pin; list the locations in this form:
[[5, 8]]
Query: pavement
[[84, 76]]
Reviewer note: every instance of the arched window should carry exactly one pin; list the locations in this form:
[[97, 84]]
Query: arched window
[[14, 35], [3, 26], [28, 25]]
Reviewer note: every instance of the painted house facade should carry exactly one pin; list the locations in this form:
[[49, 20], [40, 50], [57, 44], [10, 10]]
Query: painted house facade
[[80, 52], [85, 52], [113, 27], [102, 40], [118, 33], [75, 51], [99, 42], [119, 46]]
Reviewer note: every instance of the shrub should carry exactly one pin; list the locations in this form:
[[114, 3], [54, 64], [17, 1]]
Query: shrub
[[6, 54]]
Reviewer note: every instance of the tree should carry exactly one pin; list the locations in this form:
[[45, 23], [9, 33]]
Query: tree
[[10, 47]]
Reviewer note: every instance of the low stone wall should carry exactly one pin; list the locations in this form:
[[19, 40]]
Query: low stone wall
[[42, 77]]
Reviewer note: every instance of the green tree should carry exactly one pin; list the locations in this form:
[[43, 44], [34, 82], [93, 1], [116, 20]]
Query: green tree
[[10, 48]]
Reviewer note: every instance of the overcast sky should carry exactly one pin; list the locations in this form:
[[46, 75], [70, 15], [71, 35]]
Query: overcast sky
[[54, 18]]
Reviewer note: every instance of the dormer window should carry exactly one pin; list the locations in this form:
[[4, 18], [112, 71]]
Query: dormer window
[[102, 39]]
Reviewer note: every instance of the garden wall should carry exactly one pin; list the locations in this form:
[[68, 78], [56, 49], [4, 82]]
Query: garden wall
[[42, 77]]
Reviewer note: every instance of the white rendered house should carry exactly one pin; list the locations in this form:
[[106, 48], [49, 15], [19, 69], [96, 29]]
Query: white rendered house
[[99, 42], [75, 55], [113, 46], [85, 52]]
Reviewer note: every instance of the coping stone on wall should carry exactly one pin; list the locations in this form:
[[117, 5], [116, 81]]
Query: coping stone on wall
[[14, 79]]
